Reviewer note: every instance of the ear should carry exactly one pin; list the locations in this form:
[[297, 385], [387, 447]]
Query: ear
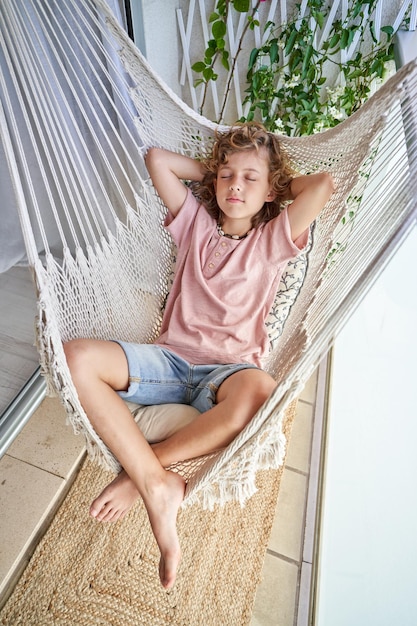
[[271, 196]]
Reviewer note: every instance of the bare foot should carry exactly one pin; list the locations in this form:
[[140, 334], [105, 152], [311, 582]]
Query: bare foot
[[115, 500], [162, 503]]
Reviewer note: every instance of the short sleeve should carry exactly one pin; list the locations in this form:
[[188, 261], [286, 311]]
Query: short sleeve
[[180, 226], [278, 243]]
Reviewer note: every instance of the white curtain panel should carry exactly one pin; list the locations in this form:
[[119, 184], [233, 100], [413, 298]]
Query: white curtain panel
[[26, 20]]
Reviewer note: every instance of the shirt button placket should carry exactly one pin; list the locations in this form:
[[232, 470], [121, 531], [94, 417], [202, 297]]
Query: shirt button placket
[[219, 252]]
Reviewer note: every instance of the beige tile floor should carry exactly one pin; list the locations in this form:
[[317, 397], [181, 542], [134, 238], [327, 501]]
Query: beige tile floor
[[38, 469], [35, 475], [277, 598]]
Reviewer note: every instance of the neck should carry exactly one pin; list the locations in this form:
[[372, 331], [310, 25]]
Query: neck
[[223, 234], [235, 229]]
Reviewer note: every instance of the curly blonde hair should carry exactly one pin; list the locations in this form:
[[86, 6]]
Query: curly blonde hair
[[244, 137]]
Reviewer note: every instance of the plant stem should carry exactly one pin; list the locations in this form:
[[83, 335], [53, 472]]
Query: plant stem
[[232, 69], [212, 64]]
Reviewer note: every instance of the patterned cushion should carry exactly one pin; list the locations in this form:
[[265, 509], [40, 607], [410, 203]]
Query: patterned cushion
[[290, 284]]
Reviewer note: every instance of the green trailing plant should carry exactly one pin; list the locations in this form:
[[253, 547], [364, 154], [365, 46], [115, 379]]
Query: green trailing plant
[[289, 78], [216, 51]]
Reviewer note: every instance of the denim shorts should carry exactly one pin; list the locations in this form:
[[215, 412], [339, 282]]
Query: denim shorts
[[159, 376]]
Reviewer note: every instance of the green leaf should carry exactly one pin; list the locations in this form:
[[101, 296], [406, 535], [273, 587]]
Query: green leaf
[[269, 24], [311, 74], [334, 40], [198, 67], [292, 64], [242, 6], [225, 60], [344, 39], [221, 6], [253, 57], [319, 17], [209, 54], [208, 74], [213, 17], [355, 74], [351, 36], [273, 51], [310, 128], [218, 29], [375, 65], [388, 30], [306, 62], [291, 41]]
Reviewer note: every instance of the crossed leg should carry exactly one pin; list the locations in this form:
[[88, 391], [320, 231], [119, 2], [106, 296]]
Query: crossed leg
[[238, 399], [99, 369]]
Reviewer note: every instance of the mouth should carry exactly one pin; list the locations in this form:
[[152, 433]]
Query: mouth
[[233, 200]]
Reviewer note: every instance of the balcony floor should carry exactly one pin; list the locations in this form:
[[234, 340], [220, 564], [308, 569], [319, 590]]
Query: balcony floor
[[40, 465]]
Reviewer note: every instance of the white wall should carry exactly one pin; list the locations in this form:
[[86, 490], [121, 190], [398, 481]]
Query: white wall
[[156, 34], [368, 541]]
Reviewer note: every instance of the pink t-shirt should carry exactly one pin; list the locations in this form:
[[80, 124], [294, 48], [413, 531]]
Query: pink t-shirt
[[223, 288]]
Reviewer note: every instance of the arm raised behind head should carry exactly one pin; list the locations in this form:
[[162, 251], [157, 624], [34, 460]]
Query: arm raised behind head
[[167, 171], [309, 194]]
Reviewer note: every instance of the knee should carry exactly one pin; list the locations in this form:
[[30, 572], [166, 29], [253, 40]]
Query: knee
[[77, 356], [245, 396], [258, 391]]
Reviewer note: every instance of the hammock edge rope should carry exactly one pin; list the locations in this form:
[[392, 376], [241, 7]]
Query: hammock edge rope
[[312, 322]]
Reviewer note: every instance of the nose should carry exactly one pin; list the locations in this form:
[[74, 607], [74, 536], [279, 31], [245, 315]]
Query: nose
[[234, 187]]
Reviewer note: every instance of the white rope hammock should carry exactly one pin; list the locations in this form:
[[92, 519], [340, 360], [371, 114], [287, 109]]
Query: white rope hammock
[[79, 108]]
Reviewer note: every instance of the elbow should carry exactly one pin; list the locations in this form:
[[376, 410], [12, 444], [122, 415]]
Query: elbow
[[156, 161], [152, 156]]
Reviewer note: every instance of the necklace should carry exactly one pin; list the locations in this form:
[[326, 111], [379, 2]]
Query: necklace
[[223, 234]]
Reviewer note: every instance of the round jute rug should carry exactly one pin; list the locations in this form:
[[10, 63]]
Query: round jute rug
[[88, 573]]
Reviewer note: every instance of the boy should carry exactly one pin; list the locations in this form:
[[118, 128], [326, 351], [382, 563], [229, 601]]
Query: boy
[[232, 248]]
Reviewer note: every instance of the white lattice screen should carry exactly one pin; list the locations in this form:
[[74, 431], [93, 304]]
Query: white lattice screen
[[194, 32]]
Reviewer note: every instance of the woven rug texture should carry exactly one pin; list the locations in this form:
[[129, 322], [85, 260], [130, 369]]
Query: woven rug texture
[[86, 573]]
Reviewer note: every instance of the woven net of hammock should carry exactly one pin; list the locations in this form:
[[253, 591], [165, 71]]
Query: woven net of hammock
[[80, 106]]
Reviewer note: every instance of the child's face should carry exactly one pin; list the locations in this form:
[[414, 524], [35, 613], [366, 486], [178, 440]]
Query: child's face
[[242, 187]]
